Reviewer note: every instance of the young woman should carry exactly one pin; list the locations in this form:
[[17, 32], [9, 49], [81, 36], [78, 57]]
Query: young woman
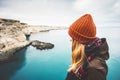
[[89, 53]]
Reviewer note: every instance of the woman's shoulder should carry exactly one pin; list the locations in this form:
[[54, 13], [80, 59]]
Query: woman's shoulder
[[97, 66], [95, 74], [98, 63], [71, 76]]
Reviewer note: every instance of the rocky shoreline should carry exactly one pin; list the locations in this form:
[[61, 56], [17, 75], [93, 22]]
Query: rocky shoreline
[[13, 37]]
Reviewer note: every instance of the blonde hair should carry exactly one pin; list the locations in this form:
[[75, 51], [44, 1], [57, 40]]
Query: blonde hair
[[78, 56]]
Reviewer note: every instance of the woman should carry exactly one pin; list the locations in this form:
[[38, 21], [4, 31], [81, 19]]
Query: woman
[[89, 53]]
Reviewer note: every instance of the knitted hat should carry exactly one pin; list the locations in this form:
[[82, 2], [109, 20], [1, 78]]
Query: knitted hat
[[83, 29]]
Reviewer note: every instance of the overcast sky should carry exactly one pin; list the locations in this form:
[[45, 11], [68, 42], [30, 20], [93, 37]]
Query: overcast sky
[[61, 12]]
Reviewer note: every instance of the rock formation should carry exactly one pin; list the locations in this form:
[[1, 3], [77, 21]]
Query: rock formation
[[12, 38], [42, 45]]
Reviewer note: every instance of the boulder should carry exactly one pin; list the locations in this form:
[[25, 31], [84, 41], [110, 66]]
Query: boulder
[[42, 45]]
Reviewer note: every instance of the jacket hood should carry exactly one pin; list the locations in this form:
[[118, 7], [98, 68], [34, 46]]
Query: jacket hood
[[98, 47]]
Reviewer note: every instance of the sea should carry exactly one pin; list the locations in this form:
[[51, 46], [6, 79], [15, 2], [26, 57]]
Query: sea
[[52, 64]]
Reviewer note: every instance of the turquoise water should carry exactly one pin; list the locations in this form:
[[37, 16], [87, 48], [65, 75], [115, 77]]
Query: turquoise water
[[33, 64]]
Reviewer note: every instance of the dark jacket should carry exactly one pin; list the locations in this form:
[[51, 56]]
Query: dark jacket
[[95, 65]]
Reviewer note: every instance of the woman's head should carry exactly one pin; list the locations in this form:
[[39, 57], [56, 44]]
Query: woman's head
[[83, 29]]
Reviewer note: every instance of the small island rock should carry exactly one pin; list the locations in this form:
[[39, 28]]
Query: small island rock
[[42, 45]]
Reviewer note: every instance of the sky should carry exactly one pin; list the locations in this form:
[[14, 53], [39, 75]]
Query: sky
[[61, 12]]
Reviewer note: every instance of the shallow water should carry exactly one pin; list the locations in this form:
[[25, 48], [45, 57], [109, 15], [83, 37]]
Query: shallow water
[[52, 64]]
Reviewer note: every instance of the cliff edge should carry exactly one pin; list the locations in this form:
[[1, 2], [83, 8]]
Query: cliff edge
[[12, 38]]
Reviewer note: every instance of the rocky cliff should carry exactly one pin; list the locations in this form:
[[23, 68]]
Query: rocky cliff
[[12, 38]]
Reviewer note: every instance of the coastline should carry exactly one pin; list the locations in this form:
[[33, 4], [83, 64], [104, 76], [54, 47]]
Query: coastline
[[40, 28], [13, 36]]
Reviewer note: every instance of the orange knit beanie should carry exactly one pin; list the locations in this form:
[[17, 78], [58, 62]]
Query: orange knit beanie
[[83, 29]]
